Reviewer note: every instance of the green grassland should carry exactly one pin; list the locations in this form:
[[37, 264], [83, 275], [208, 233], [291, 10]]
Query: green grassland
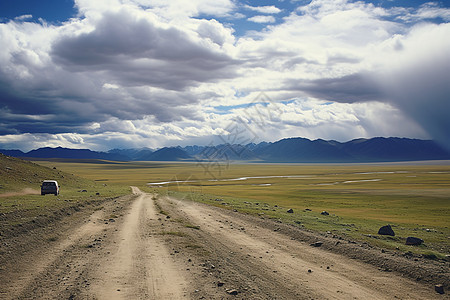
[[414, 199], [20, 199]]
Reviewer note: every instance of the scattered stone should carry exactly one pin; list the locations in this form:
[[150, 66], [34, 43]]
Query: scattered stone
[[316, 244], [297, 222], [309, 271], [439, 288], [220, 283], [325, 213], [290, 210], [307, 209], [413, 241], [97, 194], [232, 292], [167, 217], [386, 230]]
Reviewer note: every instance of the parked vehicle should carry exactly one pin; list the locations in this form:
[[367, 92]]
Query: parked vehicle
[[50, 187]]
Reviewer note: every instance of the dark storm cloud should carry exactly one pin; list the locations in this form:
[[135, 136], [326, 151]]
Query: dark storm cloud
[[128, 67], [421, 89], [134, 51], [350, 88], [414, 79]]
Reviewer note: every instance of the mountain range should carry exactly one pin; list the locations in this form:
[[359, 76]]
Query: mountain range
[[300, 150]]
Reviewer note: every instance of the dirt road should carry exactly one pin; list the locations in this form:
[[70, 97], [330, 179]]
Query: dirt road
[[140, 247]]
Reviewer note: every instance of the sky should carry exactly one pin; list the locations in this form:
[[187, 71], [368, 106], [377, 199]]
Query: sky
[[153, 73]]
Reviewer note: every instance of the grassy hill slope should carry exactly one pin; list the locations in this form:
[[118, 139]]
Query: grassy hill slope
[[21, 205]]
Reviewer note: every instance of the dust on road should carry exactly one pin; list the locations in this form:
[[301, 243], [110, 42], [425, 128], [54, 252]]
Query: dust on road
[[26, 191]]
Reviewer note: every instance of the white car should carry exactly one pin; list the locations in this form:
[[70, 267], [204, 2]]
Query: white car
[[50, 187]]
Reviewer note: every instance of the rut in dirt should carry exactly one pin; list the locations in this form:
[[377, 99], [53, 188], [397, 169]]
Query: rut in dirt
[[140, 265]]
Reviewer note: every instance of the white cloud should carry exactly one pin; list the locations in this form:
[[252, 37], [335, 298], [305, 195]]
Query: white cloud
[[264, 9], [262, 19], [180, 8], [134, 73], [426, 11], [23, 17]]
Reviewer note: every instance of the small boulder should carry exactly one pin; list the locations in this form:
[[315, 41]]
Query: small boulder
[[290, 210], [232, 292], [439, 288], [410, 240], [316, 244], [325, 213], [386, 230]]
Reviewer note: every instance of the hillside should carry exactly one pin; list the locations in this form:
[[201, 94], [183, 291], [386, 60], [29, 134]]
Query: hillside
[[393, 149], [166, 154], [303, 150], [23, 208], [16, 174]]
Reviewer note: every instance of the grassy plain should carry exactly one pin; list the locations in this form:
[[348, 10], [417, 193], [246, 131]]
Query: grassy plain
[[413, 198]]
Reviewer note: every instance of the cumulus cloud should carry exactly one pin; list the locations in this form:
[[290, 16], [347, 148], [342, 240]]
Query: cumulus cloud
[[134, 73], [354, 52], [65, 73], [272, 9], [262, 19], [180, 8]]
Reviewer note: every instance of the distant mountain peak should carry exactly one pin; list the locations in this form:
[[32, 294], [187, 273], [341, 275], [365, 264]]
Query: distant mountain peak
[[294, 149]]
